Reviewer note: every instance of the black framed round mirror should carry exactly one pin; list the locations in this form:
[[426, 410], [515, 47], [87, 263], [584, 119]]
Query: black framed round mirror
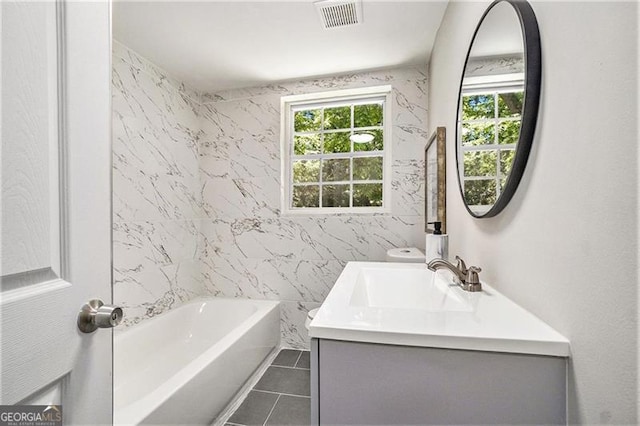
[[498, 106]]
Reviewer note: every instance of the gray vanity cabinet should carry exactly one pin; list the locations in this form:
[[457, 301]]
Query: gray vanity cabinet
[[364, 383]]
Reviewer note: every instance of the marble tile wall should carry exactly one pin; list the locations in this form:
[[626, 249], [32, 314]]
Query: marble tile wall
[[196, 181], [249, 248], [157, 201]]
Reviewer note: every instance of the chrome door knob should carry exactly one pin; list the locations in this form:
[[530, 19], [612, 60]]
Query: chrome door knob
[[95, 314]]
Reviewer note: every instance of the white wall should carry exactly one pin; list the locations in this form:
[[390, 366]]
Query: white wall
[[566, 246]]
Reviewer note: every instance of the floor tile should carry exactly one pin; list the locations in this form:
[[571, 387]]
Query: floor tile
[[305, 360], [254, 409], [286, 358], [285, 380], [291, 410]]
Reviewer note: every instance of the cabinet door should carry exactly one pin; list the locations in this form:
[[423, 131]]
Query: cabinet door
[[363, 383]]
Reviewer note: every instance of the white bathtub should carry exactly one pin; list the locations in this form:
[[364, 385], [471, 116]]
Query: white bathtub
[[184, 366]]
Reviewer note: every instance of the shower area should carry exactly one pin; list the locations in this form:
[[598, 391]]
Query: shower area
[[197, 224]]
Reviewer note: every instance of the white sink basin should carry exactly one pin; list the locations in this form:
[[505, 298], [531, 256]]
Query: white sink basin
[[406, 289], [406, 304]]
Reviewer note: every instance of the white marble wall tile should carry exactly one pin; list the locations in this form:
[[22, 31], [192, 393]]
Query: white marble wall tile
[[408, 141], [293, 315], [241, 198], [411, 81], [274, 279], [407, 188], [341, 238], [122, 52], [154, 290], [158, 242], [155, 146], [147, 146], [298, 280], [228, 276], [139, 195], [241, 139], [493, 66], [156, 189]]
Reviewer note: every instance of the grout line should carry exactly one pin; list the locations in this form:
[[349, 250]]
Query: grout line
[[270, 412], [234, 424], [282, 393], [297, 360]]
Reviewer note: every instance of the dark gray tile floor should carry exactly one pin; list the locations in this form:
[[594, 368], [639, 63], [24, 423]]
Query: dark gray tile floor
[[281, 396]]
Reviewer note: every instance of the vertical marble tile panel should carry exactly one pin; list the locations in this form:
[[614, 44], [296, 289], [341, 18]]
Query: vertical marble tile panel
[[241, 139], [241, 198], [156, 188], [407, 188], [293, 315]]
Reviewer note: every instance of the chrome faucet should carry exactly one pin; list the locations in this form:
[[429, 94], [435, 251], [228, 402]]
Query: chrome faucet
[[467, 278]]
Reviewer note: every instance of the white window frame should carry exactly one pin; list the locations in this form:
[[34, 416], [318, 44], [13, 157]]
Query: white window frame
[[495, 84], [289, 104]]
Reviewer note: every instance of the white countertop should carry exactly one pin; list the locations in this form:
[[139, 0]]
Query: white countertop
[[492, 322]]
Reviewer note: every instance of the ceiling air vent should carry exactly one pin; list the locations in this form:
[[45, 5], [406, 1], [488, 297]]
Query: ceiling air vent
[[339, 13]]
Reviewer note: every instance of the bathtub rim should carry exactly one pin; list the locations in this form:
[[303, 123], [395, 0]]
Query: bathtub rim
[[136, 411]]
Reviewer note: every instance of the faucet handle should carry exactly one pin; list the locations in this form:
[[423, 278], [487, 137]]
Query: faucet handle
[[462, 267], [473, 279]]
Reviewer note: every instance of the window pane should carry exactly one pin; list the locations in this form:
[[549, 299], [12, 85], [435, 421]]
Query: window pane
[[509, 132], [377, 144], [480, 163], [335, 196], [474, 134], [506, 161], [307, 144], [335, 170], [337, 118], [477, 107], [367, 115], [367, 195], [307, 121], [336, 142], [510, 104], [368, 168], [306, 171], [480, 192], [306, 196]]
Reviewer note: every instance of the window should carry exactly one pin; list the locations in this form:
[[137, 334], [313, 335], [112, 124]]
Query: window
[[489, 129], [335, 151]]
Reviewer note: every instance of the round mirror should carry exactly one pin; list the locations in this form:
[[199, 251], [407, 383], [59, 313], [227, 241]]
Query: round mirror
[[498, 106]]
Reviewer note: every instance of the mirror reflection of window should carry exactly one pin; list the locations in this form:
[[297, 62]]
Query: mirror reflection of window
[[491, 114], [491, 105]]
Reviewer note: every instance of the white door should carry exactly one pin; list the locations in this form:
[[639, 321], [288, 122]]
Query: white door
[[55, 205]]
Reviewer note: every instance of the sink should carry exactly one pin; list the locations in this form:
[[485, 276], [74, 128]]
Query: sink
[[406, 289], [406, 304]]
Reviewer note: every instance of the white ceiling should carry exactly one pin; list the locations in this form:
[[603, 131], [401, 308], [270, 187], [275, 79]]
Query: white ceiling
[[215, 45]]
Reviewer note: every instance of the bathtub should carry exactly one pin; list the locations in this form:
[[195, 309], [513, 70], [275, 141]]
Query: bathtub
[[185, 366]]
